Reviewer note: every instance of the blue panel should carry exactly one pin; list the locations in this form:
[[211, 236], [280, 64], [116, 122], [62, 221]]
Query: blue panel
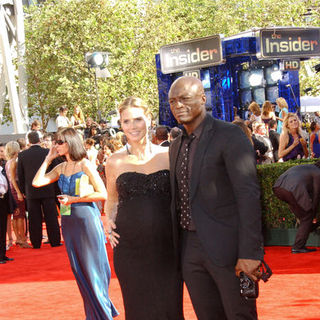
[[259, 95], [246, 97], [222, 93], [272, 93], [244, 79], [164, 84], [290, 90], [240, 46]]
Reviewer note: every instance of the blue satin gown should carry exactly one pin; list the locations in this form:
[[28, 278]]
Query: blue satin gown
[[85, 243]]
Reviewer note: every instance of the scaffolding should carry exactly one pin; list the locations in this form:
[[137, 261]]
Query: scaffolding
[[13, 79]]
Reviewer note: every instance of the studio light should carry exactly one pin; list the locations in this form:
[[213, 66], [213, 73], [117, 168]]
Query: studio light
[[276, 75], [255, 79], [97, 59]]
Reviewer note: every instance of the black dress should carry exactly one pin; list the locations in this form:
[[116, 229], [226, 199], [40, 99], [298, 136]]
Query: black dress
[[144, 259]]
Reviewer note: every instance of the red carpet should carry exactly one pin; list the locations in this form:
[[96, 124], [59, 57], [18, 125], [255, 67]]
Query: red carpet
[[39, 285]]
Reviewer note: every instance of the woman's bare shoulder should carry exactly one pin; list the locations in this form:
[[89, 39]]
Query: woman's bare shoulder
[[116, 159]]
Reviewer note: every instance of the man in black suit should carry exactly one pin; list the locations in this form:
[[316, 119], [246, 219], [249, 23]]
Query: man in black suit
[[40, 201], [215, 208], [161, 136], [274, 137]]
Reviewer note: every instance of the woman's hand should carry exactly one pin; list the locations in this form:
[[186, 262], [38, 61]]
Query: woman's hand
[[53, 153], [66, 199], [111, 234], [296, 141]]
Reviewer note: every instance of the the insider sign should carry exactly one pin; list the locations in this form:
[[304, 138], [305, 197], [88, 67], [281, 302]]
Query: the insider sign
[[290, 42], [189, 55]]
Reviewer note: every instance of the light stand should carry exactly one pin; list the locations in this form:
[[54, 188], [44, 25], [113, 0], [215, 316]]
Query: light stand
[[98, 61], [294, 97]]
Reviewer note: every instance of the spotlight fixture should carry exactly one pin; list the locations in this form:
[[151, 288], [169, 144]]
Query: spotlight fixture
[[97, 59], [276, 75], [255, 79]]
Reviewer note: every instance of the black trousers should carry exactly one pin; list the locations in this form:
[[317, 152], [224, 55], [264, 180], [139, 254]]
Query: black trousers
[[3, 226], [214, 290], [305, 217], [47, 207]]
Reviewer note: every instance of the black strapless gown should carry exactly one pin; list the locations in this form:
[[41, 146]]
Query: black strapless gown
[[144, 259]]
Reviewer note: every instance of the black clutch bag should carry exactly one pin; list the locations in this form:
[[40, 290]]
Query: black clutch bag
[[249, 288]]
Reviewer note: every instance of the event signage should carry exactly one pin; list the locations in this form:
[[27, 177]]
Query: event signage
[[192, 73], [289, 43], [190, 55], [290, 65]]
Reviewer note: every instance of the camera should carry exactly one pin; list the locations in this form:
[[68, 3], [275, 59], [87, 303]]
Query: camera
[[249, 288]]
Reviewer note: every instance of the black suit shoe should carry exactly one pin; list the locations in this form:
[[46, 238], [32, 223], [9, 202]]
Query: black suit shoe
[[57, 245], [3, 261], [302, 250], [8, 259]]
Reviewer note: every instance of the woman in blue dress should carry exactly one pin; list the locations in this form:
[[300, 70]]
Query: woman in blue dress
[[315, 140], [80, 220], [282, 104]]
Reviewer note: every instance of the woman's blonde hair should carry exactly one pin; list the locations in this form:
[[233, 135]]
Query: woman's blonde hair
[[282, 103], [12, 148], [266, 108], [285, 128], [134, 102], [254, 108], [79, 118]]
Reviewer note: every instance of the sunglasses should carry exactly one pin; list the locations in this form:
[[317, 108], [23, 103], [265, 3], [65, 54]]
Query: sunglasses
[[60, 142]]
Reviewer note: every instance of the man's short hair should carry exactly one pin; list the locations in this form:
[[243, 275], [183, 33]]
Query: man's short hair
[[174, 132], [62, 109], [162, 133], [33, 137], [272, 123]]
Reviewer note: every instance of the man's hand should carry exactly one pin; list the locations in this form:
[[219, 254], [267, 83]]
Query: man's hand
[[249, 267]]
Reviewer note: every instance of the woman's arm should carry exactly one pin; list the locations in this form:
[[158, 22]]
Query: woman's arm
[[312, 137], [283, 151], [12, 173], [304, 147], [112, 202], [42, 178]]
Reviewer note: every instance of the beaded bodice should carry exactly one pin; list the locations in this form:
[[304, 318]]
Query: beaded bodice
[[132, 185]]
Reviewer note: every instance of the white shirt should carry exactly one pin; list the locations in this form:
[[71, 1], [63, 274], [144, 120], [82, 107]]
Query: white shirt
[[62, 122], [3, 183]]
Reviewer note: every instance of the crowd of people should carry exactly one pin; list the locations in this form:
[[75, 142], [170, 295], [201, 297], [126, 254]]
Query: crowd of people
[[165, 211], [278, 137]]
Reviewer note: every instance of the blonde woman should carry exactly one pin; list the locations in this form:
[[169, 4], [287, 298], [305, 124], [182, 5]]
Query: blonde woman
[[138, 206], [77, 120], [292, 146], [11, 150], [282, 104]]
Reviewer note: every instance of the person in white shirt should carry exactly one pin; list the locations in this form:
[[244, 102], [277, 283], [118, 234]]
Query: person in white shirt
[[62, 120], [92, 152]]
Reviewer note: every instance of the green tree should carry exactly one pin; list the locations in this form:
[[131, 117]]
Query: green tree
[[59, 33]]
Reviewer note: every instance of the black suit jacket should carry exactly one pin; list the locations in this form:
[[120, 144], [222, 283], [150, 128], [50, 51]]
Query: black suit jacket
[[29, 161], [224, 193], [303, 181], [274, 137]]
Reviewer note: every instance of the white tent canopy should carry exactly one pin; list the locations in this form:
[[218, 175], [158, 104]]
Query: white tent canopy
[[309, 104]]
